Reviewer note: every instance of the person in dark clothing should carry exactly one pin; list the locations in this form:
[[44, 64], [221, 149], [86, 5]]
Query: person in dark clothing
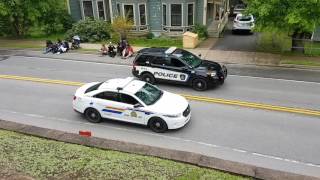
[[49, 46], [111, 50]]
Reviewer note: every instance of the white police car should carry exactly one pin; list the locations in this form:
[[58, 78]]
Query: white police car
[[133, 101]]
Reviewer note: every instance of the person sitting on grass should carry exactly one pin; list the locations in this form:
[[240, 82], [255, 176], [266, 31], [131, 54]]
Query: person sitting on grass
[[49, 46], [111, 50], [127, 52], [104, 50]]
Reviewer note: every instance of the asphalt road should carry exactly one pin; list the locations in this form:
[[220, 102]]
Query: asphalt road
[[239, 41], [284, 141]]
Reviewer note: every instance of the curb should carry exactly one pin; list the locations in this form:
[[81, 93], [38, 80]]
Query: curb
[[181, 156], [289, 66]]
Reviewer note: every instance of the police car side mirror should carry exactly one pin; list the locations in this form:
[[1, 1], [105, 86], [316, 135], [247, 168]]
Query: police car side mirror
[[137, 105]]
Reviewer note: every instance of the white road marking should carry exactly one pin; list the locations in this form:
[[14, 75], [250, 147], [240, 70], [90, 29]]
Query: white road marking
[[127, 65], [174, 138], [278, 79], [76, 61]]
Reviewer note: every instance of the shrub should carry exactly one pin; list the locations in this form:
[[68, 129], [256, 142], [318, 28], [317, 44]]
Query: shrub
[[90, 30], [150, 35], [201, 30]]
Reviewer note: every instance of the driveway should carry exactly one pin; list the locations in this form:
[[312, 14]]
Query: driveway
[[240, 41]]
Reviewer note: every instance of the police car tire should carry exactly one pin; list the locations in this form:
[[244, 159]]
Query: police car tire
[[148, 77], [92, 115], [199, 84], [158, 125]]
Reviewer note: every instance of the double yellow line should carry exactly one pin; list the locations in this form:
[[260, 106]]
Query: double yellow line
[[41, 80], [190, 97]]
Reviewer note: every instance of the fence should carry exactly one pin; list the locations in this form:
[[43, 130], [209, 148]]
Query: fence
[[306, 46]]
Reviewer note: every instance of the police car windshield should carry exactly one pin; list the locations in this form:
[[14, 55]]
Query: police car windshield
[[149, 94], [187, 57]]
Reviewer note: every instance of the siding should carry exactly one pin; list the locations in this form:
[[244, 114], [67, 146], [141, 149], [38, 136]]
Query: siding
[[75, 9], [316, 34], [155, 15]]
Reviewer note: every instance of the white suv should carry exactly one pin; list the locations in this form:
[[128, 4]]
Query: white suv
[[133, 101], [243, 22]]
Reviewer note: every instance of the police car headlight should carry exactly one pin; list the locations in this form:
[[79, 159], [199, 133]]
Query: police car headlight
[[212, 73], [172, 115]]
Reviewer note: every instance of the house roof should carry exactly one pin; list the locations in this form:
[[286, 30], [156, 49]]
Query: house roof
[[316, 34]]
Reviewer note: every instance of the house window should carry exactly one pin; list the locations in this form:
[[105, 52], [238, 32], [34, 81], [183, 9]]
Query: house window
[[128, 12], [164, 14], [101, 10], [176, 15], [87, 9], [190, 14], [142, 13], [118, 9]]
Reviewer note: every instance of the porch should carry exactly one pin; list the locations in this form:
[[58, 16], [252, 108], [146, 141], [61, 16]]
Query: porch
[[217, 16]]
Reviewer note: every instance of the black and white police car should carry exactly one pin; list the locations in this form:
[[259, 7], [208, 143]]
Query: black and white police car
[[133, 101], [178, 66]]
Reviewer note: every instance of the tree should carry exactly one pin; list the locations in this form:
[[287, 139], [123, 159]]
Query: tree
[[122, 25], [21, 15], [291, 16]]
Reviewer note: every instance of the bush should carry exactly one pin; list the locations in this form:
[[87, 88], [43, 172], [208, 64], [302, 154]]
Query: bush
[[150, 35], [90, 30], [201, 30]]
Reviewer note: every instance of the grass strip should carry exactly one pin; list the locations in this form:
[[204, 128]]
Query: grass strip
[[39, 158]]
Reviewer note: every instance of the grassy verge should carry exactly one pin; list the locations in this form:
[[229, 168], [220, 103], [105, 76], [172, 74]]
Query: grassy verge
[[303, 62], [156, 42], [273, 42], [312, 49], [28, 156]]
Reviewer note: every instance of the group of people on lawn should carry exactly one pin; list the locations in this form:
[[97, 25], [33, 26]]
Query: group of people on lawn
[[123, 49]]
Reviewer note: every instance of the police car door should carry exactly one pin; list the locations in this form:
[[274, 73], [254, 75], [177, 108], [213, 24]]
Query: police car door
[[178, 69], [163, 70], [107, 104], [131, 114]]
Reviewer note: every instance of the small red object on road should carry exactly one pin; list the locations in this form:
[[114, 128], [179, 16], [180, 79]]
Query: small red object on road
[[85, 133]]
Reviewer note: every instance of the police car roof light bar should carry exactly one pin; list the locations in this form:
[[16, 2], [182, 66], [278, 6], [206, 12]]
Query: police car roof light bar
[[170, 50]]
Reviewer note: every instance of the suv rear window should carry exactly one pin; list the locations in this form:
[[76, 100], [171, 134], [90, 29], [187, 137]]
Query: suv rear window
[[92, 88]]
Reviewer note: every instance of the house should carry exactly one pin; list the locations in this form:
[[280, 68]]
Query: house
[[316, 35], [157, 16]]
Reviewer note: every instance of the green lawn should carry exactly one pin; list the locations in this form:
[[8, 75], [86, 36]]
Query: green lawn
[[273, 42], [156, 42], [28, 156], [312, 49], [304, 62]]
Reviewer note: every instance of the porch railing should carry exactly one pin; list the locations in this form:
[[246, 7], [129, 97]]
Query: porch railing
[[140, 28], [181, 29]]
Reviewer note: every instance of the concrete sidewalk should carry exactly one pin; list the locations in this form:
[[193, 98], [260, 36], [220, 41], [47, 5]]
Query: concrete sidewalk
[[234, 57]]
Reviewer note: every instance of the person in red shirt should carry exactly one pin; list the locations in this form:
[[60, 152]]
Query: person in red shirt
[[127, 52]]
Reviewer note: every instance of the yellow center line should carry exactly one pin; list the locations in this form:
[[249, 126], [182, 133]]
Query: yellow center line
[[189, 97]]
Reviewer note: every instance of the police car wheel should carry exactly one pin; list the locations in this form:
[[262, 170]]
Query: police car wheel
[[199, 84], [92, 115], [158, 125], [147, 77]]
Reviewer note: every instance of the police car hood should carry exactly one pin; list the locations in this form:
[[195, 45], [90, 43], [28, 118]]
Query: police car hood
[[170, 104], [209, 66]]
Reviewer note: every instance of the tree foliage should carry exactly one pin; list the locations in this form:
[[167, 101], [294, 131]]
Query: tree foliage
[[291, 16], [122, 25], [90, 30], [20, 15]]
